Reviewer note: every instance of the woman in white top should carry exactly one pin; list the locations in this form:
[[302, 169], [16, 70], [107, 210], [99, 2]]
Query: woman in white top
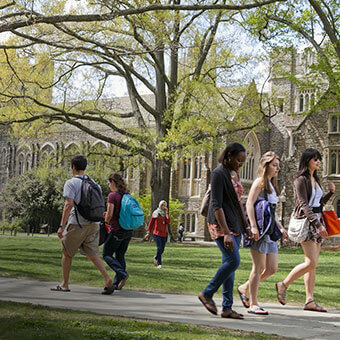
[[264, 251]]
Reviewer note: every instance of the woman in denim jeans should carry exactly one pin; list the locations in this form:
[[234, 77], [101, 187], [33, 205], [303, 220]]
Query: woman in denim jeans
[[226, 221], [118, 239], [158, 225]]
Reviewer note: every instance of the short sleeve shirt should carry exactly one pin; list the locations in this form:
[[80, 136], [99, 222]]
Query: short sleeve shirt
[[115, 198], [72, 189]]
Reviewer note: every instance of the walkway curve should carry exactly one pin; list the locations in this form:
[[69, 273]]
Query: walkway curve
[[290, 321]]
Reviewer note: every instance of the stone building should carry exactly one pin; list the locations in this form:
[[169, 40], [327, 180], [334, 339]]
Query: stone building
[[297, 119]]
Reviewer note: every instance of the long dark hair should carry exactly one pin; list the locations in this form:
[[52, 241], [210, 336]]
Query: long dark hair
[[119, 181], [306, 156], [231, 151]]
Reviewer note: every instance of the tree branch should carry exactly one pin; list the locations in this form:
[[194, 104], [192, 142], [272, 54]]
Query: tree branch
[[40, 19]]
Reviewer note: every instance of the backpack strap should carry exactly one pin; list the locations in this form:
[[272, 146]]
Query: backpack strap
[[75, 204], [76, 211]]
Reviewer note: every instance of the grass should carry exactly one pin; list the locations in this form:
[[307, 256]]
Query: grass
[[28, 322], [186, 268]]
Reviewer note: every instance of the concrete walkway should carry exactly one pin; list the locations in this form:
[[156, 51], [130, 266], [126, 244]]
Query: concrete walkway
[[289, 321]]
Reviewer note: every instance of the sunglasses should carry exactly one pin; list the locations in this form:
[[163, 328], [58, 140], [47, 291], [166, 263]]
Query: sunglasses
[[315, 159]]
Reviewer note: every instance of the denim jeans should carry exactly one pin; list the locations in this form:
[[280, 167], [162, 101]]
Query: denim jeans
[[226, 273], [160, 243], [117, 243]]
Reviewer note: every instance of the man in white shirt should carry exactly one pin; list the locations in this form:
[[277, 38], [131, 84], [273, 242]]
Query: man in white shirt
[[76, 232]]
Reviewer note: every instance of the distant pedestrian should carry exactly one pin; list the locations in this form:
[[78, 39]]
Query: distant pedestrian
[[118, 239], [226, 221], [75, 231], [180, 232], [309, 201], [158, 225]]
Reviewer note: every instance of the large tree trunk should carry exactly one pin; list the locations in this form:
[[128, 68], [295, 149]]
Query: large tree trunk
[[160, 182]]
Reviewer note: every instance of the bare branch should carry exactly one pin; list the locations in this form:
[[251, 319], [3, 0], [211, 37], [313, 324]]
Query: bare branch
[[7, 5], [39, 19]]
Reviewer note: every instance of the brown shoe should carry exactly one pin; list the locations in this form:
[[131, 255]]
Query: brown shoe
[[108, 290], [281, 296], [209, 304], [231, 314], [313, 306]]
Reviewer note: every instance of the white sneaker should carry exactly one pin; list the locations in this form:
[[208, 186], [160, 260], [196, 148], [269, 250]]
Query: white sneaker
[[159, 266]]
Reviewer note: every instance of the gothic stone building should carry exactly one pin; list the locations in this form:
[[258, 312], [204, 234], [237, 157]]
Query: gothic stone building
[[300, 121]]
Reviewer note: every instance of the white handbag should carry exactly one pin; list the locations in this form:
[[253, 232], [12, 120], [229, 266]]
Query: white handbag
[[298, 229]]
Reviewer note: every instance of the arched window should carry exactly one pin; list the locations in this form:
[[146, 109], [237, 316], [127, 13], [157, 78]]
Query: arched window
[[307, 101], [28, 162], [186, 167], [187, 226], [21, 164], [193, 223], [70, 151], [198, 167], [312, 100], [301, 103], [253, 155]]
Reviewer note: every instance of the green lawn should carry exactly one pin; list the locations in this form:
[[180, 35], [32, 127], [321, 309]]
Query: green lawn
[[186, 268], [27, 322]]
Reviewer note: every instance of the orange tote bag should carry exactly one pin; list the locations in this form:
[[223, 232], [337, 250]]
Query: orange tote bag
[[332, 222]]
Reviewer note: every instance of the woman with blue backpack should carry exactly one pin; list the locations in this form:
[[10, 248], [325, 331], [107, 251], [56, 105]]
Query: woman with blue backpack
[[118, 238], [158, 226], [263, 195]]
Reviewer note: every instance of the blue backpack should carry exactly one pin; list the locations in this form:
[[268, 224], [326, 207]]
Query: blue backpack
[[131, 215]]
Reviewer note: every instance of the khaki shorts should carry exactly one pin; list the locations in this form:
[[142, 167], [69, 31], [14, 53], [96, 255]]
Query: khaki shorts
[[85, 238]]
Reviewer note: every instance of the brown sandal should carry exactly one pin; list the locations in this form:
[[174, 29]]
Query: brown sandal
[[231, 314], [281, 296], [244, 299], [209, 304], [315, 308]]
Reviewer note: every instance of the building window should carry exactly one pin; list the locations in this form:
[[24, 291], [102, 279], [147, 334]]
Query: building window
[[198, 167], [307, 101], [193, 223], [281, 105], [187, 225], [338, 207], [301, 103], [334, 124], [186, 167], [21, 164], [3, 158], [312, 100], [253, 153], [334, 161]]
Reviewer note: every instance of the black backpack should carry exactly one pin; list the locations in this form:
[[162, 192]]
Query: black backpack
[[91, 205]]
